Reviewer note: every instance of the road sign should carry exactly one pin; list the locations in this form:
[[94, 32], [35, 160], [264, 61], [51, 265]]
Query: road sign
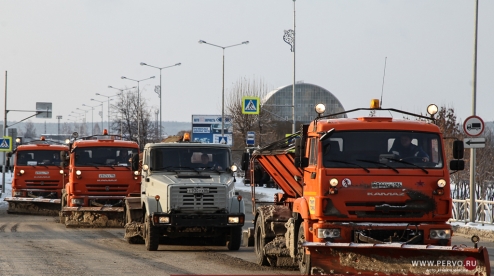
[[473, 126], [250, 105], [222, 140], [251, 138], [44, 110], [474, 142], [6, 143]]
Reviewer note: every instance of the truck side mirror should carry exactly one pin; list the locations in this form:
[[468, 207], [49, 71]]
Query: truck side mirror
[[245, 161], [457, 165], [135, 161], [9, 154], [458, 149]]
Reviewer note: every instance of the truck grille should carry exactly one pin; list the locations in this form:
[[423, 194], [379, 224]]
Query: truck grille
[[208, 202], [102, 188], [42, 183]]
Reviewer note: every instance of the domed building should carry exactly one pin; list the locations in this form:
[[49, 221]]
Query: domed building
[[279, 102]]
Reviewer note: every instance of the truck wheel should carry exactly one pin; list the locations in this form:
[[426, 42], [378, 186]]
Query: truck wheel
[[235, 238], [303, 259], [259, 243], [151, 236]]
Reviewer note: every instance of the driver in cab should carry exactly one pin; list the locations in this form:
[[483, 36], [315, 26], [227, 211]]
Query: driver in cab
[[406, 150], [206, 164]]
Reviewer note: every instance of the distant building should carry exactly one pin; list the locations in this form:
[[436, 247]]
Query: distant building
[[279, 102]]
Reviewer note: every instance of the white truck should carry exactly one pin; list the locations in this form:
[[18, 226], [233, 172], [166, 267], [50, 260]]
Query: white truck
[[187, 191]]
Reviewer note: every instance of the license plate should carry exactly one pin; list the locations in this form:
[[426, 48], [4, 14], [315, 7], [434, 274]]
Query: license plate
[[386, 185], [197, 190]]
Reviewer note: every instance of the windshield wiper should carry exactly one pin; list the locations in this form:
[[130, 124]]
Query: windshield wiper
[[349, 163], [379, 163], [177, 167], [408, 163]]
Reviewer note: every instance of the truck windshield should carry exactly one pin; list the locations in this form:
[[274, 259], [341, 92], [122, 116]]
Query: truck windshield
[[104, 156], [188, 158], [382, 149], [38, 157]]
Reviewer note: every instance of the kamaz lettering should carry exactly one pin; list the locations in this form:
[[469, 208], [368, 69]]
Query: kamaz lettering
[[108, 175], [42, 172], [385, 194]]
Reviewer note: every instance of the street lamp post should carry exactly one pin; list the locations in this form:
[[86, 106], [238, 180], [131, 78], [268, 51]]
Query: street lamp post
[[108, 98], [138, 108], [92, 116], [159, 92], [102, 102], [223, 85], [85, 118]]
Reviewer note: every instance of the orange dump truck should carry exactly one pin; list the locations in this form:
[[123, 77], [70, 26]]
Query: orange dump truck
[[103, 170], [38, 178], [363, 196]]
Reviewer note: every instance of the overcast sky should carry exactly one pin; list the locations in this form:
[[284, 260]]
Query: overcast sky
[[66, 51]]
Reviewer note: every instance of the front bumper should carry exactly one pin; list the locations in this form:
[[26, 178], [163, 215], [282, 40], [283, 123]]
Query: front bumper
[[197, 220]]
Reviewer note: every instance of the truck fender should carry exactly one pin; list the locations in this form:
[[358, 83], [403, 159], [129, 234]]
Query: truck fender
[[236, 206], [151, 205], [300, 206]]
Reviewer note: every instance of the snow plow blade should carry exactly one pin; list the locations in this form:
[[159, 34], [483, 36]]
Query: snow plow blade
[[33, 206], [396, 259], [93, 217]]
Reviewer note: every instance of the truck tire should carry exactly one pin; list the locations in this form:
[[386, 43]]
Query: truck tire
[[151, 235], [259, 243], [235, 238], [302, 258]]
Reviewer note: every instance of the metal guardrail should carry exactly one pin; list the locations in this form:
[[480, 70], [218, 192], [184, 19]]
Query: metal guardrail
[[484, 211]]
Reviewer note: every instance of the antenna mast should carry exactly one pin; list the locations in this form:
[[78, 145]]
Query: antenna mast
[[384, 75]]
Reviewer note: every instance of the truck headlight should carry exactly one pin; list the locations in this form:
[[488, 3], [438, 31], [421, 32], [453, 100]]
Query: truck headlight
[[441, 183], [328, 233], [78, 173], [61, 171], [333, 182], [136, 172], [21, 172], [233, 220], [16, 193], [439, 234], [164, 220], [77, 201]]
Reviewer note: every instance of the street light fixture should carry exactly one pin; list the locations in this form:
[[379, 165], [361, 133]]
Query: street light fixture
[[223, 86], [102, 102], [159, 92], [138, 108]]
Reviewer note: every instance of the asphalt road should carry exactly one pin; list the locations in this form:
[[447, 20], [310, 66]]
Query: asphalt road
[[37, 245]]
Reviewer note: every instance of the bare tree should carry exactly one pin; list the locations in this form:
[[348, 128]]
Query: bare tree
[[262, 124], [29, 130], [126, 116]]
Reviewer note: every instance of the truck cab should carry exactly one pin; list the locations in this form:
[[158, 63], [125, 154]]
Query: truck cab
[[187, 190], [38, 178]]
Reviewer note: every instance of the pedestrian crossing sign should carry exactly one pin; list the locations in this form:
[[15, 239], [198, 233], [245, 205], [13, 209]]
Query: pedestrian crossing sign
[[6, 143], [250, 105]]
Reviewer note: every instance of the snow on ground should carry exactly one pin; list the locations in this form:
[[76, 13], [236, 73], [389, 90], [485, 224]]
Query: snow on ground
[[8, 191]]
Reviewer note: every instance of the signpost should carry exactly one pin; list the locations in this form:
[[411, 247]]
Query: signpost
[[250, 105], [6, 143], [207, 129], [474, 142], [473, 126], [251, 138]]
